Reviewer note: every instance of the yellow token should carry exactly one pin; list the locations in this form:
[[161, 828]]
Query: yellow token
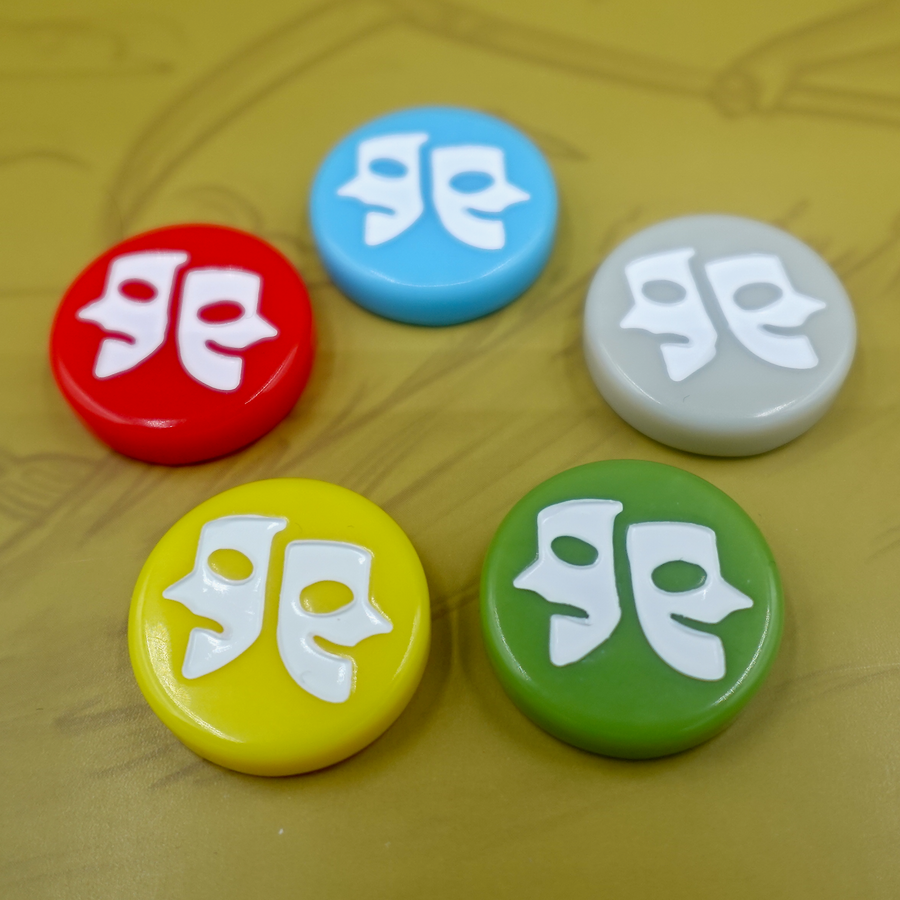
[[280, 626]]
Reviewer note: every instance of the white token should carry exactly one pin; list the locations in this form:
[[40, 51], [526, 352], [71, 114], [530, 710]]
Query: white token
[[718, 335]]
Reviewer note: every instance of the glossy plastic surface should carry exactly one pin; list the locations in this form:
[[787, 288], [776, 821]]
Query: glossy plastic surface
[[248, 671], [718, 335], [184, 344], [608, 654], [435, 215]]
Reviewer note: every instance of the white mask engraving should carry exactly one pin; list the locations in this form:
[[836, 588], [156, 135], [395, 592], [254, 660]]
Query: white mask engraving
[[454, 206], [203, 287], [792, 309], [145, 322], [686, 317], [236, 605], [401, 194], [325, 675], [591, 588], [693, 653]]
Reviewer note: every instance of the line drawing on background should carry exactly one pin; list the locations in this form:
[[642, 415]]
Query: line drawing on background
[[766, 80], [57, 501], [121, 45], [33, 486], [298, 45], [770, 77]]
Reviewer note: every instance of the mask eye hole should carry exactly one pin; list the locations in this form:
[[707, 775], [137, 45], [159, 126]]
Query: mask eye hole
[[471, 182], [757, 296], [678, 576], [222, 311], [662, 291], [135, 289], [325, 597], [574, 551], [231, 565], [388, 168]]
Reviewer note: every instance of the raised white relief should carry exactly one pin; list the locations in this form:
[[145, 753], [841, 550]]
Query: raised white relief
[[327, 676], [750, 326], [205, 287], [143, 321], [236, 605], [591, 588], [686, 317], [401, 194], [455, 207], [694, 653]]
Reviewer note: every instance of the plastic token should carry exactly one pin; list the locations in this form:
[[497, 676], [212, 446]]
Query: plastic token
[[280, 626], [718, 335], [630, 608], [184, 344], [434, 215]]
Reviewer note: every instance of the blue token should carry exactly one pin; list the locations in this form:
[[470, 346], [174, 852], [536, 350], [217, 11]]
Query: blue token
[[435, 215]]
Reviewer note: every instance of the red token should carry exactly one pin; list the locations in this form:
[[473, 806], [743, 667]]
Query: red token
[[184, 344]]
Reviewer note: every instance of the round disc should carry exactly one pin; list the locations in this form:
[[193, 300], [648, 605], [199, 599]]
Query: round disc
[[630, 608]]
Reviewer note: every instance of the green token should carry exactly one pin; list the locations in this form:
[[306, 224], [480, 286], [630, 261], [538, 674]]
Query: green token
[[630, 608]]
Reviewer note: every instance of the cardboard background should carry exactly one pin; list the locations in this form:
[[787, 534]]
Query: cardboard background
[[117, 117]]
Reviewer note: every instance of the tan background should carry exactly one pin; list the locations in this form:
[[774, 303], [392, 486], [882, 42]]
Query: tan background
[[115, 117]]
